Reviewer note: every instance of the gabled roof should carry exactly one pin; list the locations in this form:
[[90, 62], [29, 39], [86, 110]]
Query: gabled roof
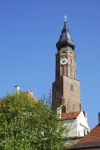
[[90, 140], [27, 93], [72, 115]]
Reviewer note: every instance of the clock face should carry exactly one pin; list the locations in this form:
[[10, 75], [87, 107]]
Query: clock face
[[63, 61]]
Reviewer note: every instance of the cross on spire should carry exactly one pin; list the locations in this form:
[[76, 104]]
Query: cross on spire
[[65, 18]]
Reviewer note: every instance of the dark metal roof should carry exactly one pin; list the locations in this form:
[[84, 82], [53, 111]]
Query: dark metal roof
[[65, 39]]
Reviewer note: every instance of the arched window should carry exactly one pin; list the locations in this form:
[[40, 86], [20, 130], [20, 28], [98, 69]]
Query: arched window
[[63, 109]]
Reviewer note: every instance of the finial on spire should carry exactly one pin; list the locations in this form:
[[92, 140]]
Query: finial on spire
[[65, 18]]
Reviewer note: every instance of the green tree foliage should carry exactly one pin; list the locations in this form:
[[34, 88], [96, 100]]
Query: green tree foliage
[[26, 124]]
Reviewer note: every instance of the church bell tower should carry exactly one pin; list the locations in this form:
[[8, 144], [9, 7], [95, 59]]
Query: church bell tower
[[66, 88]]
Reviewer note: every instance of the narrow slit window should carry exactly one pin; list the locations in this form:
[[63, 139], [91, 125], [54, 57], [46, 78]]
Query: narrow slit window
[[71, 87], [63, 109]]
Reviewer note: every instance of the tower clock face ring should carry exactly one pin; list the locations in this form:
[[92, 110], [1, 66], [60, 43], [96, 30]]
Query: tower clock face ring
[[63, 61]]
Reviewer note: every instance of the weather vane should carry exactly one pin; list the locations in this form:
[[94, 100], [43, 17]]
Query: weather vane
[[65, 18]]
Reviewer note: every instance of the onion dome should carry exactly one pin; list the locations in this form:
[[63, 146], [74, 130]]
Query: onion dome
[[65, 39]]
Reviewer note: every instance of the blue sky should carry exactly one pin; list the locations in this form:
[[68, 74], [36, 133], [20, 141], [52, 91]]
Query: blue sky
[[29, 31]]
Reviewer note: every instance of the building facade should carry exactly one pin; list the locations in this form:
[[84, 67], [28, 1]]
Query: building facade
[[66, 97], [77, 122], [66, 88], [89, 142]]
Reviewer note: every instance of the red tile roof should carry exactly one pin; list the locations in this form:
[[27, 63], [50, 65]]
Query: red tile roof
[[90, 140], [1, 102], [73, 115]]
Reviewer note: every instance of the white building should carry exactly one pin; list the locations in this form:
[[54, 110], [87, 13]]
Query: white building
[[77, 124]]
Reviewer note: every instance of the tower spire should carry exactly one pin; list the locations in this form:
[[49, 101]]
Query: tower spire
[[65, 39]]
